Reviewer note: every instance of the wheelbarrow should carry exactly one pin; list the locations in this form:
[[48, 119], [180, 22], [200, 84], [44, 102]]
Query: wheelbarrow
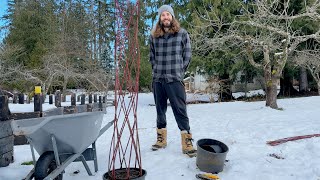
[[61, 140]]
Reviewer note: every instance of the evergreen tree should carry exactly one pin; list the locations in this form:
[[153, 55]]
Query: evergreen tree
[[214, 62], [31, 28], [144, 33]]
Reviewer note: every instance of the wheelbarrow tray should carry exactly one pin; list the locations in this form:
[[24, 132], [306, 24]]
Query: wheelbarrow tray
[[73, 132]]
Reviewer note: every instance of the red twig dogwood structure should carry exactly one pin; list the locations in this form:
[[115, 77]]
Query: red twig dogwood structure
[[125, 156], [284, 140]]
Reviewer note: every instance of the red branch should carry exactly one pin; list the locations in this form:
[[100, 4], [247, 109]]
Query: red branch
[[125, 149], [284, 140]]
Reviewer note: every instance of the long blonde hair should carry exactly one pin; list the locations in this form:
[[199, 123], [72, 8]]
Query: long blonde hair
[[159, 31]]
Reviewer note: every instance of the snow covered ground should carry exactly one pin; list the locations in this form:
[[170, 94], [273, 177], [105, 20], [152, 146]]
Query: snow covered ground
[[243, 126]]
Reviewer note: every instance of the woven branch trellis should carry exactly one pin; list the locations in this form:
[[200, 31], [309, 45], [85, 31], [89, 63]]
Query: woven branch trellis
[[125, 156]]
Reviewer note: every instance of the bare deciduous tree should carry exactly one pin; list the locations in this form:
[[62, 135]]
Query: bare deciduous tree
[[8, 68], [311, 60], [262, 30], [66, 61], [97, 77]]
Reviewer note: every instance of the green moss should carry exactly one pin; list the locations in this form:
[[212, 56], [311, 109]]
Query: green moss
[[27, 163], [269, 83]]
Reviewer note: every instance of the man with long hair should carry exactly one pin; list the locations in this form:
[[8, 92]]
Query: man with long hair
[[170, 55]]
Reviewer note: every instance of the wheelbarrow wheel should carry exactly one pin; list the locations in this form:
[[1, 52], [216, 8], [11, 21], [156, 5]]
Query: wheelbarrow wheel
[[45, 165]]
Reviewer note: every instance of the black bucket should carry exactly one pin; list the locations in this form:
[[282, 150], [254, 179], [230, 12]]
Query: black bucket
[[211, 155]]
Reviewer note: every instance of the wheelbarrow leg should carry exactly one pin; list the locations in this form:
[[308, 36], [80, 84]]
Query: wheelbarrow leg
[[55, 150], [84, 162], [31, 173], [95, 156], [32, 152]]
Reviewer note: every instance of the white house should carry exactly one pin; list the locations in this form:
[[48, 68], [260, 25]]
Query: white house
[[200, 82]]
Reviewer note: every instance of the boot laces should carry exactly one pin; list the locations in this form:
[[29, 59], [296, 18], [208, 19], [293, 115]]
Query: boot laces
[[189, 142], [159, 137]]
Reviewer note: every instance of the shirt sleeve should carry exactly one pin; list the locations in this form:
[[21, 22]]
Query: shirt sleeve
[[186, 52], [152, 52]]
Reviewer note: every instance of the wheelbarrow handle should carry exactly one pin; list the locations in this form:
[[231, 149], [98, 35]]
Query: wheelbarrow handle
[[106, 127]]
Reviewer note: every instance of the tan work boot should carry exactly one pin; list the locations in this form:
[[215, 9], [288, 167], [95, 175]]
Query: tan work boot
[[161, 139], [186, 142]]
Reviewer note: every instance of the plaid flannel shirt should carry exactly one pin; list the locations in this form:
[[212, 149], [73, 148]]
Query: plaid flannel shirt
[[170, 56]]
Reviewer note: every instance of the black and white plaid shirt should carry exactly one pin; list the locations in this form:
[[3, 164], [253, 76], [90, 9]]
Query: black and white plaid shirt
[[170, 56]]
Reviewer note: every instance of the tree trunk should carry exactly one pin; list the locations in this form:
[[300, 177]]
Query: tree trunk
[[226, 92], [64, 86], [286, 87], [44, 93], [64, 89], [246, 86], [271, 81], [271, 89], [303, 80], [318, 87], [274, 93], [271, 92], [48, 84]]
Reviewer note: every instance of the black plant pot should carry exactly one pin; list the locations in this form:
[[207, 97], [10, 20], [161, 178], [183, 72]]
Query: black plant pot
[[121, 174], [211, 155]]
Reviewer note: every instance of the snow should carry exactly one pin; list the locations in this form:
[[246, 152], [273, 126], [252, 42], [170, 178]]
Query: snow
[[244, 127], [278, 54]]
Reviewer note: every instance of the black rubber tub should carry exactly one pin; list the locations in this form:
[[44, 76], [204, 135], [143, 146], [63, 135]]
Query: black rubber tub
[[121, 174], [211, 155]]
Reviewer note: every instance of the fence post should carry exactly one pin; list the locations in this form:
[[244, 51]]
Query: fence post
[[37, 103], [6, 136], [73, 99], [57, 99], [100, 103], [90, 98], [95, 98], [21, 98], [83, 99], [50, 99]]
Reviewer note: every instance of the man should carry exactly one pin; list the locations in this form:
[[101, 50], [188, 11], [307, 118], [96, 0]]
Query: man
[[170, 55]]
